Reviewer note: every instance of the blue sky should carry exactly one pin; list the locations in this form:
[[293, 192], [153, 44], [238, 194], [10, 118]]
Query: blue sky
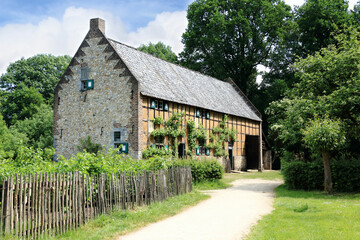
[[30, 27], [136, 12]]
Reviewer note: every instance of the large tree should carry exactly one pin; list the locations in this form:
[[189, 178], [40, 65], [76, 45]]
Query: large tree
[[20, 104], [229, 38], [159, 50], [328, 85], [41, 72], [317, 20]]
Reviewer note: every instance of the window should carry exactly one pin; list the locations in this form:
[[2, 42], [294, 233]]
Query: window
[[159, 105], [201, 113], [86, 83], [159, 141], [124, 147], [117, 136], [202, 150]]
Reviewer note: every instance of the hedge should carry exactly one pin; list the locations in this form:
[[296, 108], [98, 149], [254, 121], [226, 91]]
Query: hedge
[[310, 175]]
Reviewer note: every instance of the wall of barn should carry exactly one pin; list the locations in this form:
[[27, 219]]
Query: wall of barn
[[242, 126]]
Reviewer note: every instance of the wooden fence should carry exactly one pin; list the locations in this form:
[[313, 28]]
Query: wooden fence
[[34, 205]]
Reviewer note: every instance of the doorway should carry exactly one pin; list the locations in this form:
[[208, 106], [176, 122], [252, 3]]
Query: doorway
[[252, 151], [230, 152], [181, 150]]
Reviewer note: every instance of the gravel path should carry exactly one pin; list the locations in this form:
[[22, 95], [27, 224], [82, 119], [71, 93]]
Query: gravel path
[[228, 214]]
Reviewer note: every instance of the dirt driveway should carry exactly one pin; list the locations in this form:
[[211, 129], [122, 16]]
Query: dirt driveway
[[228, 214]]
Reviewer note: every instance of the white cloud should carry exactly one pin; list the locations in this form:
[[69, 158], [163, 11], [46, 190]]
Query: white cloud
[[167, 28], [60, 37]]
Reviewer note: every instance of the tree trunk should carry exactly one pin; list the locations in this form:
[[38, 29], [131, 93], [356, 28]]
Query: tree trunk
[[328, 185]]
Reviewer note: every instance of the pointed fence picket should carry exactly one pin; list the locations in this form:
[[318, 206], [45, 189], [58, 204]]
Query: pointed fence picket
[[40, 204]]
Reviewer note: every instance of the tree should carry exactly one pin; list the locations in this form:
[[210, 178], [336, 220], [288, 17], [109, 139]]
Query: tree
[[317, 20], [38, 128], [324, 136], [41, 72], [20, 104], [10, 140], [159, 50], [328, 85], [230, 38]]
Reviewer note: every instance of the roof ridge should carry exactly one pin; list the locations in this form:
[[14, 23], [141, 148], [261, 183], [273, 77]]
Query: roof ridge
[[224, 81]]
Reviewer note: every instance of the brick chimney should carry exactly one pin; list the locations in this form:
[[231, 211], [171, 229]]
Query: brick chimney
[[97, 23]]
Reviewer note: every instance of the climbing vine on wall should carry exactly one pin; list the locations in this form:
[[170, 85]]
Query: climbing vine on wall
[[171, 129], [221, 134], [194, 135]]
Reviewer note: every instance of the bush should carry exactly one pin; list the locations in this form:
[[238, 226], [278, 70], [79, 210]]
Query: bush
[[310, 175], [204, 170]]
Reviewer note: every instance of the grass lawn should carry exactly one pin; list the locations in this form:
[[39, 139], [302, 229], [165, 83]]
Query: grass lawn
[[111, 226], [230, 177], [310, 215]]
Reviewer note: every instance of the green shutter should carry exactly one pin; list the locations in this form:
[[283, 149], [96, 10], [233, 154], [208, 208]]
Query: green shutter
[[124, 148], [198, 113], [166, 147], [207, 151], [198, 151], [90, 84], [207, 115], [166, 106], [152, 103]]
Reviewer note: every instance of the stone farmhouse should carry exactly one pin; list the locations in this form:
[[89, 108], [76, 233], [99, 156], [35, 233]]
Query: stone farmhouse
[[113, 92]]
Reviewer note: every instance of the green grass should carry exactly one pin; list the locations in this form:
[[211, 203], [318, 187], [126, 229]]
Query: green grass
[[111, 226], [228, 178], [310, 215]]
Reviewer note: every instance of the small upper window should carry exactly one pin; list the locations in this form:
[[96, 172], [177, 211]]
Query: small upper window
[[86, 83], [84, 73], [117, 136], [201, 113], [159, 105]]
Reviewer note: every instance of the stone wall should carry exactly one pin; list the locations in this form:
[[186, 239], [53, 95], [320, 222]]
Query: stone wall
[[112, 104]]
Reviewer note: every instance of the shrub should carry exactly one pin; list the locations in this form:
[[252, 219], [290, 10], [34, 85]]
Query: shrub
[[203, 170], [310, 175], [89, 146]]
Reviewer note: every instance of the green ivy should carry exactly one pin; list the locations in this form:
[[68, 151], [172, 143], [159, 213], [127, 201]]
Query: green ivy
[[221, 134], [158, 120]]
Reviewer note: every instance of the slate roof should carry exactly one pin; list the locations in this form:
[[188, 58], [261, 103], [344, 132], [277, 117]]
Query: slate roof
[[171, 82]]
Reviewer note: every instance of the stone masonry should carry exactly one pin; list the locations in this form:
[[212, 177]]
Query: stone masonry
[[112, 104]]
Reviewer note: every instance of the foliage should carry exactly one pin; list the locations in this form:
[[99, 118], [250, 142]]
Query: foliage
[[194, 135], [230, 38], [328, 83], [158, 120], [159, 50], [38, 128], [152, 151], [88, 146], [324, 135], [10, 140], [220, 135], [317, 20], [173, 131], [159, 132], [41, 72], [204, 170], [20, 104], [345, 173]]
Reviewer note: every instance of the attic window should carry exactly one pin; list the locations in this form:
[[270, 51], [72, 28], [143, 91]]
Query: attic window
[[86, 83], [159, 105], [201, 113]]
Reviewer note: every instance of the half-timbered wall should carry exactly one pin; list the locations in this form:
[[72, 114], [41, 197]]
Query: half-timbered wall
[[242, 126]]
